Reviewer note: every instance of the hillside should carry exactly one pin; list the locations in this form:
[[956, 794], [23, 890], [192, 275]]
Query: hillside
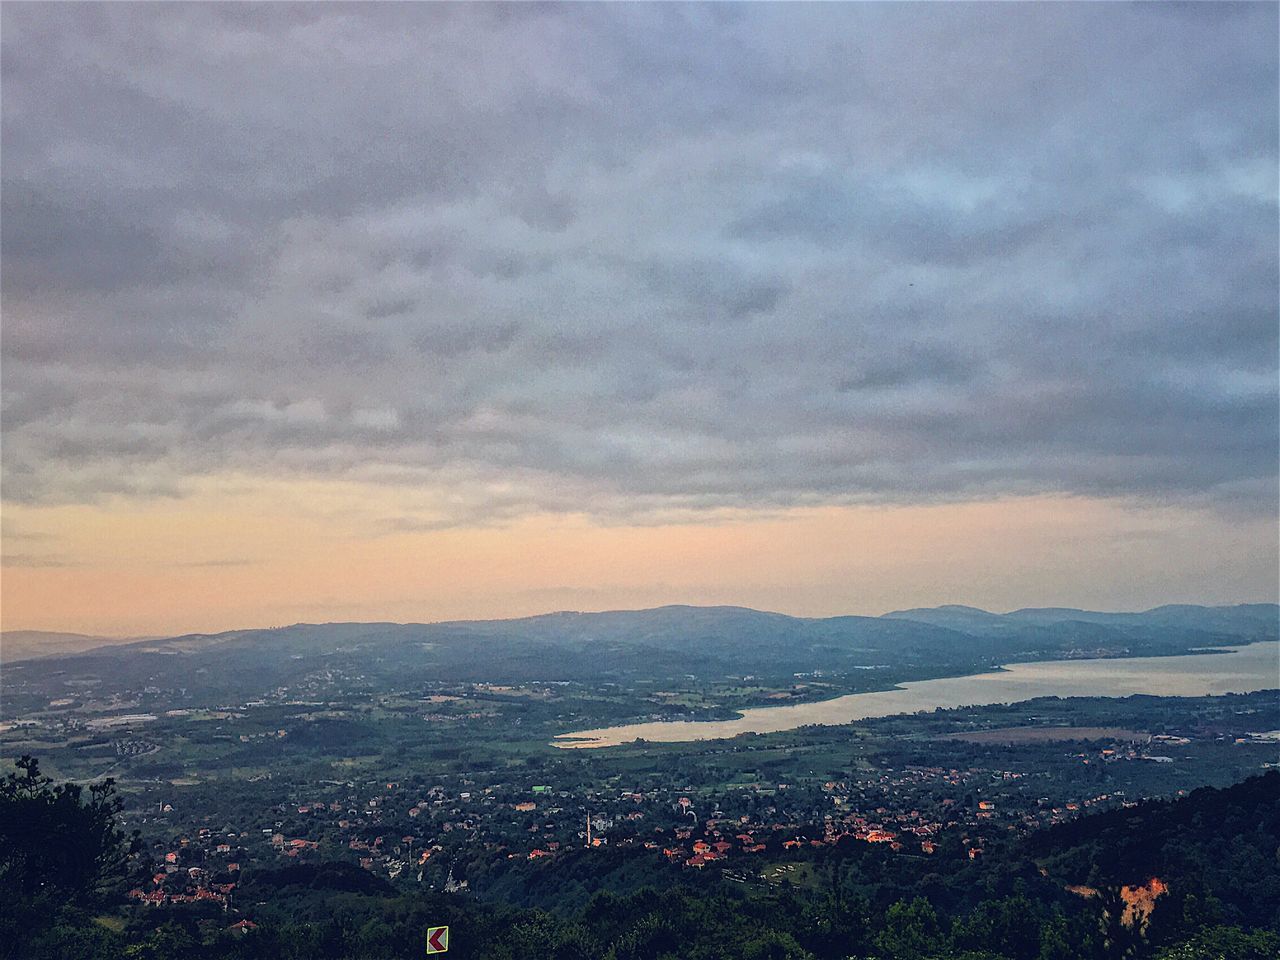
[[30, 644], [1206, 842], [861, 903], [1252, 620], [658, 644]]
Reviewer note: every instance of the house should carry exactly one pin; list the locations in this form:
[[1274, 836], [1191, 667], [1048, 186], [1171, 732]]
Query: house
[[242, 926]]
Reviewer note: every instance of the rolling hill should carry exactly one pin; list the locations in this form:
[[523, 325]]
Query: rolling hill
[[665, 642]]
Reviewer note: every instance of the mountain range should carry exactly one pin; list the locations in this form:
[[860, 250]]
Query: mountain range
[[692, 639], [30, 644]]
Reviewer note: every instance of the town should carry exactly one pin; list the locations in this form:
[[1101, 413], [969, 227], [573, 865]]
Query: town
[[427, 792]]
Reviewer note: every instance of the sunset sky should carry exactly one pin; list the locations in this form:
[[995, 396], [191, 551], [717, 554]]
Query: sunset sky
[[411, 312]]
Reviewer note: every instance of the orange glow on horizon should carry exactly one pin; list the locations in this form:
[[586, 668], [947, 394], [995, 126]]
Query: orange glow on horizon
[[249, 556]]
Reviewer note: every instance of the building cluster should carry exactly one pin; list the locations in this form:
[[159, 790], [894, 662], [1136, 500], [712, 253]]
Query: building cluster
[[406, 829], [200, 869]]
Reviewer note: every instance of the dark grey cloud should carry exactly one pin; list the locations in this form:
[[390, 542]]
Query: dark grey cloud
[[638, 259]]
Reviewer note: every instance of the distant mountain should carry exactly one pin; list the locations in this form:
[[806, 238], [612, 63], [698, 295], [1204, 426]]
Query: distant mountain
[[630, 645], [1243, 616], [1262, 615], [29, 644], [1248, 620], [953, 616], [672, 640]]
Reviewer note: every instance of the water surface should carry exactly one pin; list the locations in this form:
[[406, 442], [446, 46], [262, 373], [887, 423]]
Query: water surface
[[1234, 670]]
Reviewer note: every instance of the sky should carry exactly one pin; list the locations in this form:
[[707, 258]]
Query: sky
[[416, 312]]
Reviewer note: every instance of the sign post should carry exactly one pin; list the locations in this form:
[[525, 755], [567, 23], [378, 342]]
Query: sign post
[[437, 940]]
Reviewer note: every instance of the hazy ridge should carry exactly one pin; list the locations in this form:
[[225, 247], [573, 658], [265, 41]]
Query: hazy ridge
[[694, 636]]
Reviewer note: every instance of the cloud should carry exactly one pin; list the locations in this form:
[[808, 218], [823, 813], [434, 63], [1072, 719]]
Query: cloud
[[35, 561], [642, 262]]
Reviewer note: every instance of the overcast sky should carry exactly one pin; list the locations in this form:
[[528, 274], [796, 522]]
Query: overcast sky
[[425, 276]]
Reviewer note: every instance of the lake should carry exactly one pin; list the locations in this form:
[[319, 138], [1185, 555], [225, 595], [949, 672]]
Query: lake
[[1244, 669]]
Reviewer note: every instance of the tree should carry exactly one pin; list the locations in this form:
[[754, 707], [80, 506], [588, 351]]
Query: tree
[[911, 931], [56, 842], [1011, 925], [1218, 942]]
